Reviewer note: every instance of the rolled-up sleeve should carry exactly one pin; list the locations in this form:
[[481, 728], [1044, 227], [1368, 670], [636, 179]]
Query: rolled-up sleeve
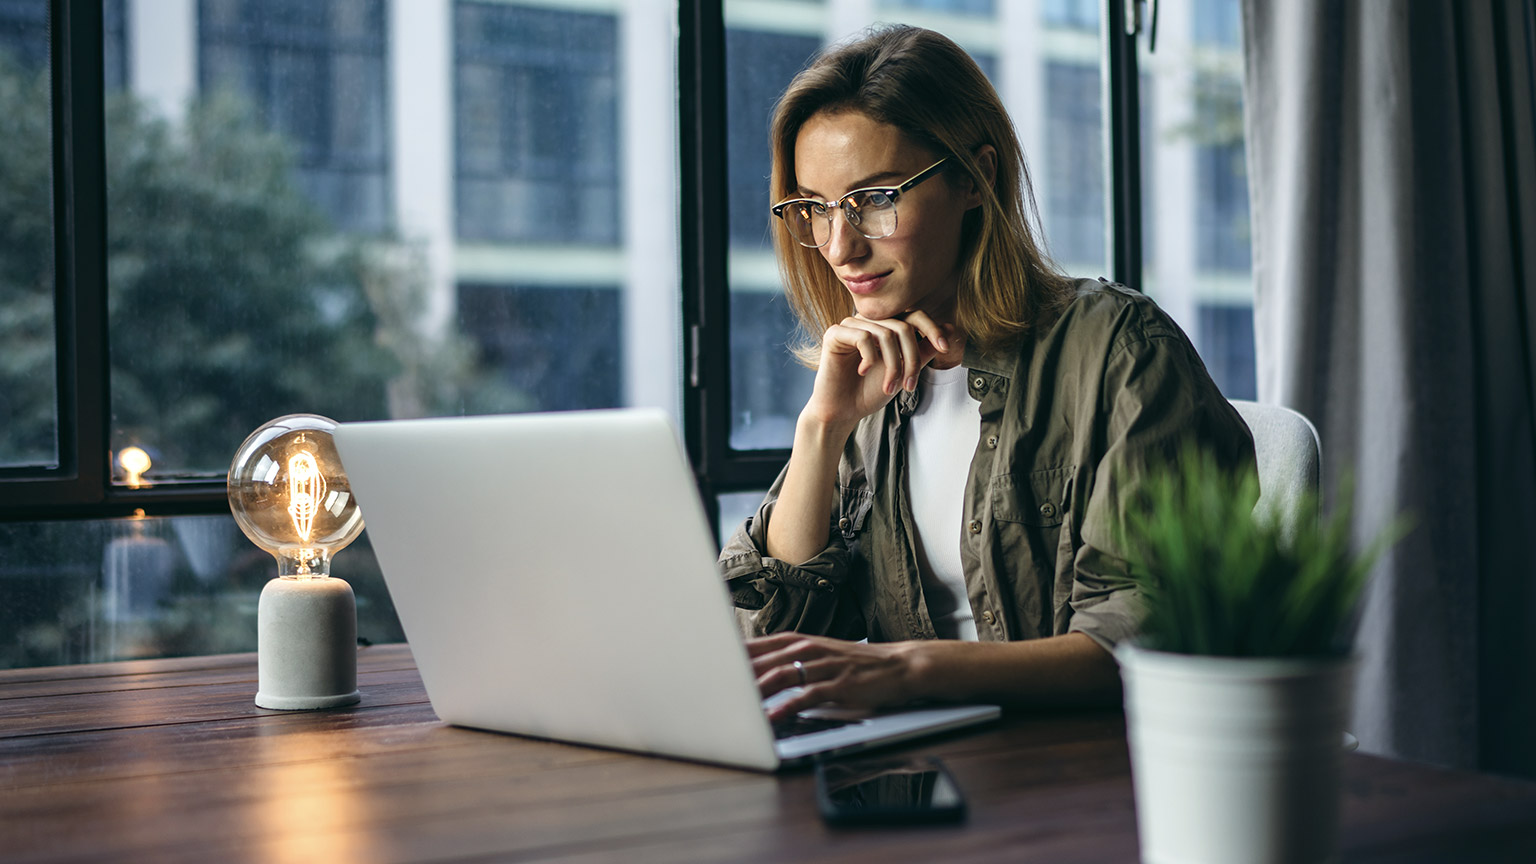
[[811, 597], [1156, 397]]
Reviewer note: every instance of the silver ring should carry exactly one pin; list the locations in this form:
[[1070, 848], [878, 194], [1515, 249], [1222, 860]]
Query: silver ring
[[800, 668]]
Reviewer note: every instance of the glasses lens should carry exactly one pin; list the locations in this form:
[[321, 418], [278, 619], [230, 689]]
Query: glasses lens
[[873, 213], [807, 223]]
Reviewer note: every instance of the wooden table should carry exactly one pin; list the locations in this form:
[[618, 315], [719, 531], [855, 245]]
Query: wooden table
[[169, 760]]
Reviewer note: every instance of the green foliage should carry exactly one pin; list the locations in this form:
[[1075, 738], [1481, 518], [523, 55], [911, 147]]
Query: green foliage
[[231, 301], [1216, 579]]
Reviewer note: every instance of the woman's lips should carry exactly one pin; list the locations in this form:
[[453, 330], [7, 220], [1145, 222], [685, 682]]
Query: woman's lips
[[865, 284]]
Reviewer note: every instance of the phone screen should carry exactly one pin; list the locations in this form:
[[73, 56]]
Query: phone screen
[[903, 790]]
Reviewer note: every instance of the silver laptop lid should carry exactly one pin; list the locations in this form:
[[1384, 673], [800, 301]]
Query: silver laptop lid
[[554, 574]]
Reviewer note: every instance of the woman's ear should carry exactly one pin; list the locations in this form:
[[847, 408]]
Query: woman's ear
[[986, 163]]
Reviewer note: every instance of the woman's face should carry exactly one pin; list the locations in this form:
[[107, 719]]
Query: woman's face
[[918, 266]]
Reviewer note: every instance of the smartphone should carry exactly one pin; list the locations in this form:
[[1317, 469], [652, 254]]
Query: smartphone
[[897, 791]]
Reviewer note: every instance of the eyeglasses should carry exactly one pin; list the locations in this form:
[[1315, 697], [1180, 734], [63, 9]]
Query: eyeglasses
[[872, 211]]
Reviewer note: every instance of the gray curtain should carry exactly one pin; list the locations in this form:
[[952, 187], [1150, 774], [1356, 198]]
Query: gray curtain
[[1392, 172]]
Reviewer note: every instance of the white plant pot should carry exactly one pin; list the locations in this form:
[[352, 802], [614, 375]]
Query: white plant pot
[[1235, 760]]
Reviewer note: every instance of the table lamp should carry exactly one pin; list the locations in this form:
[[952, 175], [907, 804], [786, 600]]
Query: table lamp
[[290, 495]]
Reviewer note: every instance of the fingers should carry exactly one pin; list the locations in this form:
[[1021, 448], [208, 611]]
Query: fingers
[[800, 648], [851, 335], [899, 348], [761, 645], [934, 333], [808, 697]]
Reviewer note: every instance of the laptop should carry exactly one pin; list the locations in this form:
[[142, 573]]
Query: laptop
[[555, 576]]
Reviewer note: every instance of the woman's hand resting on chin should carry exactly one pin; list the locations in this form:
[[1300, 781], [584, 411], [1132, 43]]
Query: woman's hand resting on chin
[[865, 363]]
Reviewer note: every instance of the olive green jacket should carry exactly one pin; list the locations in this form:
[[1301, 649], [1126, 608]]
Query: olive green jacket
[[1070, 420]]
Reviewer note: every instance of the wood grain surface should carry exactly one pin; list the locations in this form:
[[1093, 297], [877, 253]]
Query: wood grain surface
[[170, 760]]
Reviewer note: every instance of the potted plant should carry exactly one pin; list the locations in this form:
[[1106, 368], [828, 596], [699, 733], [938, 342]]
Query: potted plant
[[1237, 690]]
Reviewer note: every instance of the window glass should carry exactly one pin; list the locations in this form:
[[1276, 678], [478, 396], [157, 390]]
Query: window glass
[[1197, 257], [1071, 14], [28, 376], [314, 74], [536, 132], [371, 210], [1047, 73], [735, 507], [1074, 172], [958, 7], [93, 591]]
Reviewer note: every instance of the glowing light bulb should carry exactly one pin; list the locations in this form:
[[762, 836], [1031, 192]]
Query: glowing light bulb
[[290, 495], [134, 462]]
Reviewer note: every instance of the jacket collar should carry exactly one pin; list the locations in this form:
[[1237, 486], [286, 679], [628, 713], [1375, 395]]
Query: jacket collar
[[999, 365]]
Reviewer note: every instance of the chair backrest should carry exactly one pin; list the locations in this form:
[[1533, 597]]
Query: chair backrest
[[1290, 462]]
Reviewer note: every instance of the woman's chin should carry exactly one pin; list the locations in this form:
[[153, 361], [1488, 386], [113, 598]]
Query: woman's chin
[[875, 309]]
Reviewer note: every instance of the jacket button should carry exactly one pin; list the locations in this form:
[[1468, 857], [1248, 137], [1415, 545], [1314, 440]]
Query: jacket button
[[991, 440], [1048, 510], [823, 584], [843, 523], [979, 384], [975, 526], [988, 617]]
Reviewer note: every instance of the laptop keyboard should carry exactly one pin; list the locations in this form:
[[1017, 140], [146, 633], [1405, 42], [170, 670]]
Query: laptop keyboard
[[797, 724]]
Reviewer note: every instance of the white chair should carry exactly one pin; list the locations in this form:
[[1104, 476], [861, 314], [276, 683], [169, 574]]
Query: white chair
[[1290, 462]]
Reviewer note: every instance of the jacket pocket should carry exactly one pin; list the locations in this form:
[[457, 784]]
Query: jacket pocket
[[1037, 498]]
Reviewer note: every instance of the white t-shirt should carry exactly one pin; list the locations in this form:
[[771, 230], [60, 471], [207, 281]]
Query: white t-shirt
[[941, 441]]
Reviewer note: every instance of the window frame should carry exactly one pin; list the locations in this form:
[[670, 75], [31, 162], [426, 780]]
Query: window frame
[[81, 485]]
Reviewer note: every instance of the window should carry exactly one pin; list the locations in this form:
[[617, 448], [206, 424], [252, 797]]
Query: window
[[958, 7], [1074, 14], [1196, 258], [536, 127], [373, 209], [1075, 165], [555, 348], [314, 72], [285, 234]]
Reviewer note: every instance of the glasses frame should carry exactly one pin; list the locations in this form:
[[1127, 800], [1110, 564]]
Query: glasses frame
[[841, 204]]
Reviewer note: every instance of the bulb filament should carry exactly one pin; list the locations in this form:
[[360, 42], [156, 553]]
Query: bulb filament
[[306, 486]]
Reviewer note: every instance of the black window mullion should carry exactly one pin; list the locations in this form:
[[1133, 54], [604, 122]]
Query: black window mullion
[[80, 158], [704, 234], [1122, 146]]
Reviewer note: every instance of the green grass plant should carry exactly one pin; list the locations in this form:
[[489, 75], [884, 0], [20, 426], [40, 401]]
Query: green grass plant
[[1217, 579]]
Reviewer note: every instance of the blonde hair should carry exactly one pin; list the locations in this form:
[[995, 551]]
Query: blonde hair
[[930, 90]]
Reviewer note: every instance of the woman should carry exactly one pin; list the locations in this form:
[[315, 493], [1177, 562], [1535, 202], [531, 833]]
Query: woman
[[958, 476]]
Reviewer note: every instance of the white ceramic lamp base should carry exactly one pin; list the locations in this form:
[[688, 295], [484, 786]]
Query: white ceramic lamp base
[[306, 645]]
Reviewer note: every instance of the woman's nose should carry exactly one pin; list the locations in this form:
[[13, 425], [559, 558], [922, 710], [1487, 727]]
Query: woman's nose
[[846, 243]]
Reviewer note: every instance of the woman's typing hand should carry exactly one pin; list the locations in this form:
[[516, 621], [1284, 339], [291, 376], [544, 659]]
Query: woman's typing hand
[[852, 674]]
